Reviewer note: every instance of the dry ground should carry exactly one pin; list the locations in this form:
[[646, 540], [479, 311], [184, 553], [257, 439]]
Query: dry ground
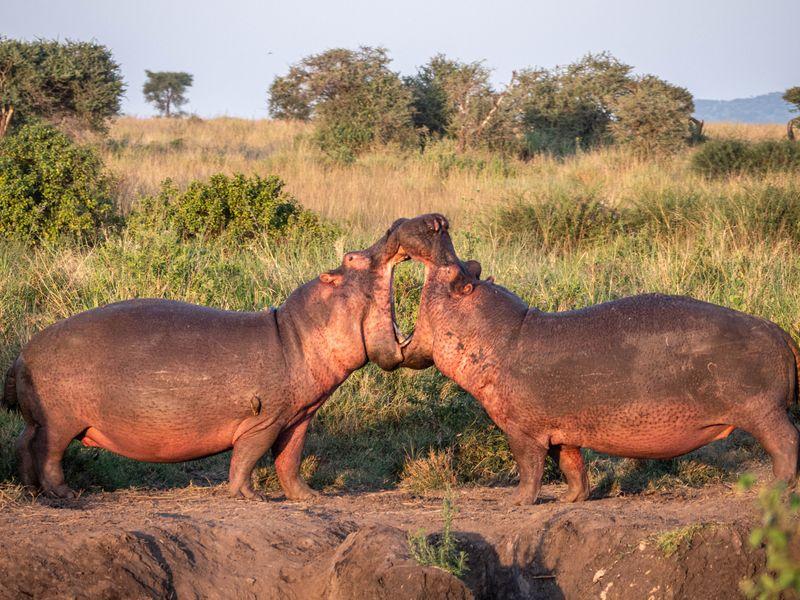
[[197, 543]]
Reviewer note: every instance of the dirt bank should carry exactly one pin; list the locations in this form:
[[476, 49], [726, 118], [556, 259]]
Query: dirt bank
[[197, 543]]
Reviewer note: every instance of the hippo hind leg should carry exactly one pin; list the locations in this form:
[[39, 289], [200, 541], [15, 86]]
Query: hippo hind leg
[[570, 461], [49, 445], [26, 464], [248, 448], [779, 437]]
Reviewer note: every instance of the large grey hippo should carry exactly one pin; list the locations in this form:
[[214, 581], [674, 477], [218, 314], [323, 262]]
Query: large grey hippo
[[648, 376], [165, 381]]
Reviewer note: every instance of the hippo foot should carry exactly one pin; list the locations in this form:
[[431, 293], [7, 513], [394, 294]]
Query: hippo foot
[[524, 496], [304, 494], [248, 493], [575, 495], [62, 491]]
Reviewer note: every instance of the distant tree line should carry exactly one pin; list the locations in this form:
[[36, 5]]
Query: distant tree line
[[357, 100]]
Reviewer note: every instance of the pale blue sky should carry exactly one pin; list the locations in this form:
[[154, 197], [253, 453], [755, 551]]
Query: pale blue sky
[[717, 48]]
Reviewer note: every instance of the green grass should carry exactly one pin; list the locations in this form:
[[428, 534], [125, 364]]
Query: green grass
[[669, 542]]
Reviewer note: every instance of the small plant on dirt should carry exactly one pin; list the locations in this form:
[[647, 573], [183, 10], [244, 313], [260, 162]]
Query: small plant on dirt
[[442, 553], [779, 524], [670, 541]]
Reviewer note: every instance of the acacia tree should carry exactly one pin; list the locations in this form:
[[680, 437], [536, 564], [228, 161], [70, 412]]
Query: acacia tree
[[166, 90], [792, 96], [353, 95], [58, 81]]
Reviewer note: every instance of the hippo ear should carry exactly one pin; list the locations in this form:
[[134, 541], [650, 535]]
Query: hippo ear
[[473, 267], [331, 277]]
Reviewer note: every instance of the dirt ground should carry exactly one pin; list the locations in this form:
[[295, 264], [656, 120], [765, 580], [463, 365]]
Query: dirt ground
[[198, 543]]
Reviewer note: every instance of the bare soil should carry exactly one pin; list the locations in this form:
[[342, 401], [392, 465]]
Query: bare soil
[[198, 543]]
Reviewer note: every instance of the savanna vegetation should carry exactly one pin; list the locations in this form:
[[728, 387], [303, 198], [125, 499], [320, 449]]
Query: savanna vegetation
[[561, 232], [572, 186]]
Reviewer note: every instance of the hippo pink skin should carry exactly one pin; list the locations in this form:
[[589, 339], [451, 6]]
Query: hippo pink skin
[[648, 376], [165, 381]]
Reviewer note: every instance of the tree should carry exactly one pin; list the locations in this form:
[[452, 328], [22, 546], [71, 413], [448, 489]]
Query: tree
[[353, 95], [792, 96], [567, 107], [166, 90], [58, 82], [456, 99], [652, 116]]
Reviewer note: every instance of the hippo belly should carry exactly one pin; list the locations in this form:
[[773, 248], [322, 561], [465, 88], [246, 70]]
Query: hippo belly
[[157, 380]]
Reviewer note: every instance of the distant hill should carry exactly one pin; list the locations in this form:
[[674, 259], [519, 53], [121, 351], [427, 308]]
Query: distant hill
[[767, 108]]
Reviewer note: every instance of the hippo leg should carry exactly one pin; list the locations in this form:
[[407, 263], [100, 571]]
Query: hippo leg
[[49, 445], [570, 461], [248, 448], [779, 438], [288, 453], [25, 459], [530, 457]]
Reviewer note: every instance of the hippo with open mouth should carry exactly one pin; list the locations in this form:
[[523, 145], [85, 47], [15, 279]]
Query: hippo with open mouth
[[648, 376], [165, 381]]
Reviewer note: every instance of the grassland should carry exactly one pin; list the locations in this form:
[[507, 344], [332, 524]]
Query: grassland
[[561, 233]]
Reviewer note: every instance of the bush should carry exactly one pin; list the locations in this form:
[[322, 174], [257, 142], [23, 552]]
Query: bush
[[238, 207], [58, 81], [652, 117], [51, 187], [721, 158]]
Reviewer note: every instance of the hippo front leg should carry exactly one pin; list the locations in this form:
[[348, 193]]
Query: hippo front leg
[[251, 443], [530, 456], [288, 453], [570, 461]]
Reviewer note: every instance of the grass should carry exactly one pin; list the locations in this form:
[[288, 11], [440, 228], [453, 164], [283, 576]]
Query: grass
[[669, 542], [441, 551], [562, 234]]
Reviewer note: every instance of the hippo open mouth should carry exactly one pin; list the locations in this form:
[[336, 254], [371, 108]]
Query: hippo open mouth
[[403, 339]]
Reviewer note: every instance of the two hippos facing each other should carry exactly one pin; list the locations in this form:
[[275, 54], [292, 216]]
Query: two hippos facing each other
[[648, 376]]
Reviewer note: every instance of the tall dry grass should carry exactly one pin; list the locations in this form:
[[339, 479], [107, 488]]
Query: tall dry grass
[[390, 183]]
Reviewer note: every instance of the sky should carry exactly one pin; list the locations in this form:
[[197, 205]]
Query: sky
[[718, 49]]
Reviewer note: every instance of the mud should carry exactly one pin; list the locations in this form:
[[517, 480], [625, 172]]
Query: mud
[[197, 543]]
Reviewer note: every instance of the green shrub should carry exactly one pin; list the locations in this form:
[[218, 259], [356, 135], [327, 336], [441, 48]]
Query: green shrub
[[721, 158], [236, 207], [51, 187], [442, 552], [779, 527]]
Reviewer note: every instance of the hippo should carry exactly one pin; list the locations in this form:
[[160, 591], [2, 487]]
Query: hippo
[[165, 381], [650, 376]]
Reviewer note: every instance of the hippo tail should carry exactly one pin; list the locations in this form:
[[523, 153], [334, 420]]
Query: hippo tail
[[9, 399]]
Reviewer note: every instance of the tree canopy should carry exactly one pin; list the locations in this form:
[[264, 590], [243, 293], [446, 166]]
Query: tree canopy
[[58, 81], [166, 90], [353, 95]]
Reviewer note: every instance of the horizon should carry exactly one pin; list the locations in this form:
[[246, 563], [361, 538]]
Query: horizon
[[718, 51]]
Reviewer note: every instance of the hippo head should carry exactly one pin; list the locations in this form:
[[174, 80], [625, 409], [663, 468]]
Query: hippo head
[[362, 287], [446, 278]]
